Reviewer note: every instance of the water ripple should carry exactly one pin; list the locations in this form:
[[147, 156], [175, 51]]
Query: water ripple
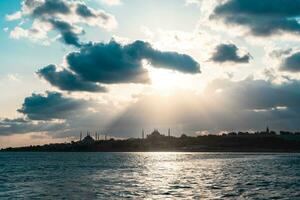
[[149, 176]]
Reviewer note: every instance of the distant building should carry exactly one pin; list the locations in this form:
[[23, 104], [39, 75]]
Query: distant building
[[232, 133], [87, 140], [155, 135], [267, 132]]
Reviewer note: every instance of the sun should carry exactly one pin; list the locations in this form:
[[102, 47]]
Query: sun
[[167, 81], [163, 80]]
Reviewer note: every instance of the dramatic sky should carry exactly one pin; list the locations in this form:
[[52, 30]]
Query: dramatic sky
[[120, 66]]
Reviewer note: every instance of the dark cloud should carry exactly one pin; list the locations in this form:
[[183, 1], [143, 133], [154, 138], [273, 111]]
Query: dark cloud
[[50, 7], [257, 94], [31, 3], [16, 120], [63, 16], [47, 12], [18, 126], [67, 31], [84, 11], [75, 116], [163, 59], [229, 53], [114, 63], [50, 106], [291, 63], [262, 17], [225, 105], [107, 63], [278, 53], [66, 80]]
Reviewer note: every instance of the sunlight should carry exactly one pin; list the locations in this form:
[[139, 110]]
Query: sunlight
[[166, 81]]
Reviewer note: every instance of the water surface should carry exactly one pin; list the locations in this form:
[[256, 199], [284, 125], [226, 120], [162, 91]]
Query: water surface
[[149, 176]]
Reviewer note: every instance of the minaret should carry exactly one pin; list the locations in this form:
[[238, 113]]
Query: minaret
[[169, 132], [143, 134], [80, 135], [267, 130]]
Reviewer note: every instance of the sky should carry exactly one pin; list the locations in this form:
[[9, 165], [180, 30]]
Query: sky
[[120, 66]]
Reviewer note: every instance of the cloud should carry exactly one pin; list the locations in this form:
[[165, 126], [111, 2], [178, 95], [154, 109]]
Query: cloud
[[112, 2], [114, 63], [60, 15], [14, 77], [256, 94], [48, 7], [197, 2], [261, 17], [50, 106], [278, 53], [67, 31], [18, 33], [107, 63], [15, 16], [38, 32], [15, 120], [20, 125], [229, 53], [225, 105], [84, 11], [59, 116], [66, 80], [164, 59], [291, 63]]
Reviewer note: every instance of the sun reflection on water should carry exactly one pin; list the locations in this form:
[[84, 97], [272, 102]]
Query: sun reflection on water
[[167, 175], [149, 176]]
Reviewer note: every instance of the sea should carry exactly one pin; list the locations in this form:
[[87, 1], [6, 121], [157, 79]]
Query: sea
[[149, 175]]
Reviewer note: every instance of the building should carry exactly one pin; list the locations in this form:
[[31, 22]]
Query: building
[[87, 140], [155, 135]]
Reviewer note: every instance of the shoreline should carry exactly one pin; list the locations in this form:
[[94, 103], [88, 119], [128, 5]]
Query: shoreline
[[161, 143], [242, 152]]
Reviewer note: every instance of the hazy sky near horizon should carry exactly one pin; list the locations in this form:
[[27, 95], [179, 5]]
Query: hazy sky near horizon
[[119, 66]]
